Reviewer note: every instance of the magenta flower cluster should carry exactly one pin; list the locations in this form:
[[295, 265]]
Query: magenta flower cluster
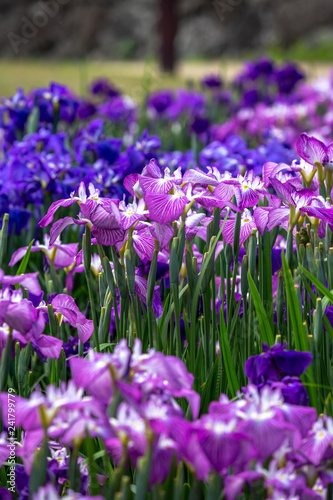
[[240, 434]]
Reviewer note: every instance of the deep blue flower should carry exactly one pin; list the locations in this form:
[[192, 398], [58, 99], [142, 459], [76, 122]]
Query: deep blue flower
[[71, 348], [160, 100], [200, 125], [275, 363], [294, 392], [287, 77], [103, 87], [212, 81]]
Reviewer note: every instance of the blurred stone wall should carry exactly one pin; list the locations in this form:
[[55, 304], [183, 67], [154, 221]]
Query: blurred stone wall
[[121, 29]]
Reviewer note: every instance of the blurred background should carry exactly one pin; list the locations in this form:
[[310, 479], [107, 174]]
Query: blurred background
[[166, 41]]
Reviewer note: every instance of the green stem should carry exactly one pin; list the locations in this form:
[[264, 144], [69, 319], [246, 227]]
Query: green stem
[[87, 262]]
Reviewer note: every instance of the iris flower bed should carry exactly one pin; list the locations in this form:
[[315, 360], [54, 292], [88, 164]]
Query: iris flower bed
[[166, 301]]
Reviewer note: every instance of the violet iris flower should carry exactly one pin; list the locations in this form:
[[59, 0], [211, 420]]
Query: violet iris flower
[[187, 102], [287, 77], [166, 208], [281, 369], [91, 143], [71, 348], [213, 81], [28, 281], [103, 87], [247, 225], [223, 443], [49, 492], [317, 445], [62, 255], [95, 266], [55, 99], [119, 109], [17, 109], [295, 199], [4, 449], [315, 152], [64, 305], [58, 411], [247, 190], [307, 171], [200, 125], [80, 198], [151, 179], [132, 213], [211, 178], [23, 317], [275, 363], [102, 214], [158, 102]]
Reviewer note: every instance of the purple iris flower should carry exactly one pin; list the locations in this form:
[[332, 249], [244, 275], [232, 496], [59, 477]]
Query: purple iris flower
[[247, 189], [93, 373], [247, 225], [250, 98], [175, 159], [200, 125], [329, 314], [187, 102], [19, 219], [62, 255], [28, 281], [287, 77], [153, 181], [119, 109], [222, 442], [49, 492], [137, 156], [160, 101], [101, 213], [53, 99], [311, 149], [317, 444], [293, 391], [21, 482], [212, 81], [71, 348], [166, 208], [26, 321], [213, 154], [103, 87], [262, 68], [275, 363], [91, 144], [4, 450], [14, 113], [65, 306], [86, 110]]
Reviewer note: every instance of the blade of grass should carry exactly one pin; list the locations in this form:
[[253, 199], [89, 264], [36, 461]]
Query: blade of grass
[[197, 291], [318, 284], [301, 342], [24, 263], [264, 324], [227, 358]]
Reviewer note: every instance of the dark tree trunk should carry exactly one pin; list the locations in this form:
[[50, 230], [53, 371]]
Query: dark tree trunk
[[168, 30]]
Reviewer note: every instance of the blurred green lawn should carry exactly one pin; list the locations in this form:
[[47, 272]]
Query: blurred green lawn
[[131, 77], [128, 76]]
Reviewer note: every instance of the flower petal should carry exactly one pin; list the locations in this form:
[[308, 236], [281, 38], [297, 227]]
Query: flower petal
[[165, 208]]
